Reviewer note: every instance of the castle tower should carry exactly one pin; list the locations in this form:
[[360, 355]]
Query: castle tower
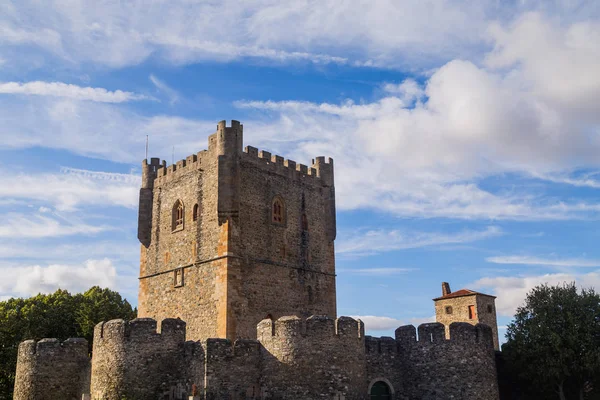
[[466, 306], [230, 236]]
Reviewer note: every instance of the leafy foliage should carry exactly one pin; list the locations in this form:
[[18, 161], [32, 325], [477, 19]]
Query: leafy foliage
[[553, 344], [58, 315]]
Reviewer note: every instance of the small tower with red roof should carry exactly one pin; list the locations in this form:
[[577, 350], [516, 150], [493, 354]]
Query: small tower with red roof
[[466, 305]]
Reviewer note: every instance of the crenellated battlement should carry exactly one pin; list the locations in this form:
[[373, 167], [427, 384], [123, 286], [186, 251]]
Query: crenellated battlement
[[166, 173], [227, 140], [461, 333], [52, 347], [313, 327], [171, 329], [320, 171]]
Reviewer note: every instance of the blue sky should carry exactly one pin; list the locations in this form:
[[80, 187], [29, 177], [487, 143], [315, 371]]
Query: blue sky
[[466, 135]]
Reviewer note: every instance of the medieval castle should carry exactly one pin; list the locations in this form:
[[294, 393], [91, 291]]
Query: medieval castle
[[237, 264]]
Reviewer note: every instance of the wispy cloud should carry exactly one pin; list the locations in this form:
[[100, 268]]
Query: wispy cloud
[[70, 91], [585, 181], [73, 188], [364, 243], [16, 226], [549, 262], [171, 93]]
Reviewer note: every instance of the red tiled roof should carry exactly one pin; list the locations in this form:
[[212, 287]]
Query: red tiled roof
[[461, 293]]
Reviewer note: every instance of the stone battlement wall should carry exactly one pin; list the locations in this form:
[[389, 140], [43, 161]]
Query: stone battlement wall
[[319, 173], [133, 359], [49, 369], [429, 365], [312, 358], [232, 368]]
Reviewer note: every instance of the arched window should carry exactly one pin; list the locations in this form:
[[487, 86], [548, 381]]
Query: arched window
[[195, 213], [304, 222], [278, 211], [177, 215]]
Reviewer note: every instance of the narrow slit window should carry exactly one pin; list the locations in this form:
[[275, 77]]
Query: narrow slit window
[[304, 223], [195, 213], [178, 278], [278, 211]]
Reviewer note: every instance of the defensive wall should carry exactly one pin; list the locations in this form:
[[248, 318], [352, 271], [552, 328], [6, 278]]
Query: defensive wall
[[429, 366], [132, 360], [50, 370], [294, 358]]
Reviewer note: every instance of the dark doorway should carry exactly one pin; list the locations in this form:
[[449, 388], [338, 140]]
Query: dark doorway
[[380, 391]]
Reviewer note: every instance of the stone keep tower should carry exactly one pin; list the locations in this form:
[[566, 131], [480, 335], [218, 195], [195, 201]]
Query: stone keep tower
[[466, 306], [231, 236]]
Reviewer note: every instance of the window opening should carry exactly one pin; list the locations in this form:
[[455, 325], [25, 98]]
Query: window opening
[[448, 309], [472, 314], [177, 215], [195, 213], [278, 211], [178, 278], [304, 222]]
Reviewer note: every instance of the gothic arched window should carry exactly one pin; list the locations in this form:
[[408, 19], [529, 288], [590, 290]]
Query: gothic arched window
[[177, 218], [278, 211]]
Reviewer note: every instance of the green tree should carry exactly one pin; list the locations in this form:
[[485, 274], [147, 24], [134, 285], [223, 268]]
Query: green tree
[[553, 344], [57, 315]]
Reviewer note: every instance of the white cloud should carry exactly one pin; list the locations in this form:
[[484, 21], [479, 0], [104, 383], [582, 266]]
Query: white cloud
[[550, 262], [381, 33], [420, 151], [376, 323], [364, 243], [13, 250], [511, 291], [27, 281], [73, 188], [468, 123], [17, 226], [96, 129], [60, 89]]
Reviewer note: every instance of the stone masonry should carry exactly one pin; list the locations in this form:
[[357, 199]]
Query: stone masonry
[[466, 306], [237, 301]]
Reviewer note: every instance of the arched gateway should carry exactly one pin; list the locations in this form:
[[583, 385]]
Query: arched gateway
[[380, 391]]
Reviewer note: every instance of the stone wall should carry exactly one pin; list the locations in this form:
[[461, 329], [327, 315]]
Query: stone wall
[[233, 370], [429, 366], [460, 312], [132, 360], [316, 358], [50, 370]]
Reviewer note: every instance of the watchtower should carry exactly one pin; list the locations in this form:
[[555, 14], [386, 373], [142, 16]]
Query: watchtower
[[231, 235], [466, 306]]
